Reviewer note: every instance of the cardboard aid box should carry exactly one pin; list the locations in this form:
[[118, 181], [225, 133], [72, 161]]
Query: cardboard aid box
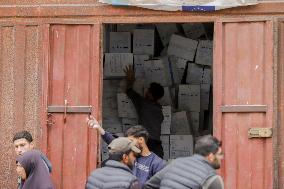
[[115, 63], [193, 30], [120, 42], [139, 61], [125, 106], [165, 139], [143, 41], [206, 76], [111, 121], [166, 100], [204, 54], [165, 31], [194, 74], [194, 122], [128, 122], [180, 123], [182, 47], [177, 67], [189, 98], [166, 124], [181, 146], [204, 96], [157, 70]]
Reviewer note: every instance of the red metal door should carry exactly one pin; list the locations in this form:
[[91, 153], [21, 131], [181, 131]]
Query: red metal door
[[72, 78], [243, 99]]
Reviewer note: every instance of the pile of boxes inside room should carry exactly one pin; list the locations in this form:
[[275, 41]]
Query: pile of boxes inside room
[[179, 57]]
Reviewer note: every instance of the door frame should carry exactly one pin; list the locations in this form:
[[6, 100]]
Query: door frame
[[184, 18]]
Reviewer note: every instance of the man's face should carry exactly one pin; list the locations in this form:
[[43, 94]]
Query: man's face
[[216, 159], [129, 159], [138, 141], [22, 145]]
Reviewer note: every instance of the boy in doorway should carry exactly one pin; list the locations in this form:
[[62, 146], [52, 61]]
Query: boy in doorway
[[148, 109]]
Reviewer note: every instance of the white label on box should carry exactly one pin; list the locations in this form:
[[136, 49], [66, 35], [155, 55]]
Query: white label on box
[[120, 42], [189, 98], [180, 123], [125, 106], [181, 146], [127, 123], [165, 31], [204, 96], [204, 54], [206, 76], [166, 124], [182, 47], [156, 70], [165, 139], [193, 30], [139, 61], [115, 64], [194, 74], [143, 41], [194, 121], [166, 100]]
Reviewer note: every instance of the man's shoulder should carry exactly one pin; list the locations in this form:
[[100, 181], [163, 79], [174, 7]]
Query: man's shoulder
[[214, 182], [157, 161]]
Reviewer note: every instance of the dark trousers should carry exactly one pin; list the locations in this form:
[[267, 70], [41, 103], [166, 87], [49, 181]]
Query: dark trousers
[[156, 147]]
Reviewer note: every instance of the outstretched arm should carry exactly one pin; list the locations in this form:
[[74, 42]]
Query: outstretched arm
[[93, 123], [130, 77]]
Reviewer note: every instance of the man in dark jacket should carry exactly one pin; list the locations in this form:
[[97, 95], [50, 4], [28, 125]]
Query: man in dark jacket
[[195, 172], [23, 142], [116, 174], [147, 163], [148, 109]]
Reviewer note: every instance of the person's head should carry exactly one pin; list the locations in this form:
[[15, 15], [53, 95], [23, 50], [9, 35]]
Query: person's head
[[155, 92], [23, 142], [209, 147], [139, 135], [32, 169], [123, 150]]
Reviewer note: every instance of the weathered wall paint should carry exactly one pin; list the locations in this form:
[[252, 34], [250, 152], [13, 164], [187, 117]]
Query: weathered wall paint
[[20, 90]]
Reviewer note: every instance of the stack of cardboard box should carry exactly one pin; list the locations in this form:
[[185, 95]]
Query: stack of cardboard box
[[182, 66]]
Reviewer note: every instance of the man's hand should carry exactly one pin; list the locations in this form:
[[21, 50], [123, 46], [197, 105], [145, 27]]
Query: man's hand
[[130, 76], [93, 123]]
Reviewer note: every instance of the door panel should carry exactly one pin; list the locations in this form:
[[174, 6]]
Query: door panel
[[280, 103], [243, 81], [73, 78]]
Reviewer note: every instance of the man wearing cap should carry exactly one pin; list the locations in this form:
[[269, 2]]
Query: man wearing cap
[[117, 171], [147, 163]]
